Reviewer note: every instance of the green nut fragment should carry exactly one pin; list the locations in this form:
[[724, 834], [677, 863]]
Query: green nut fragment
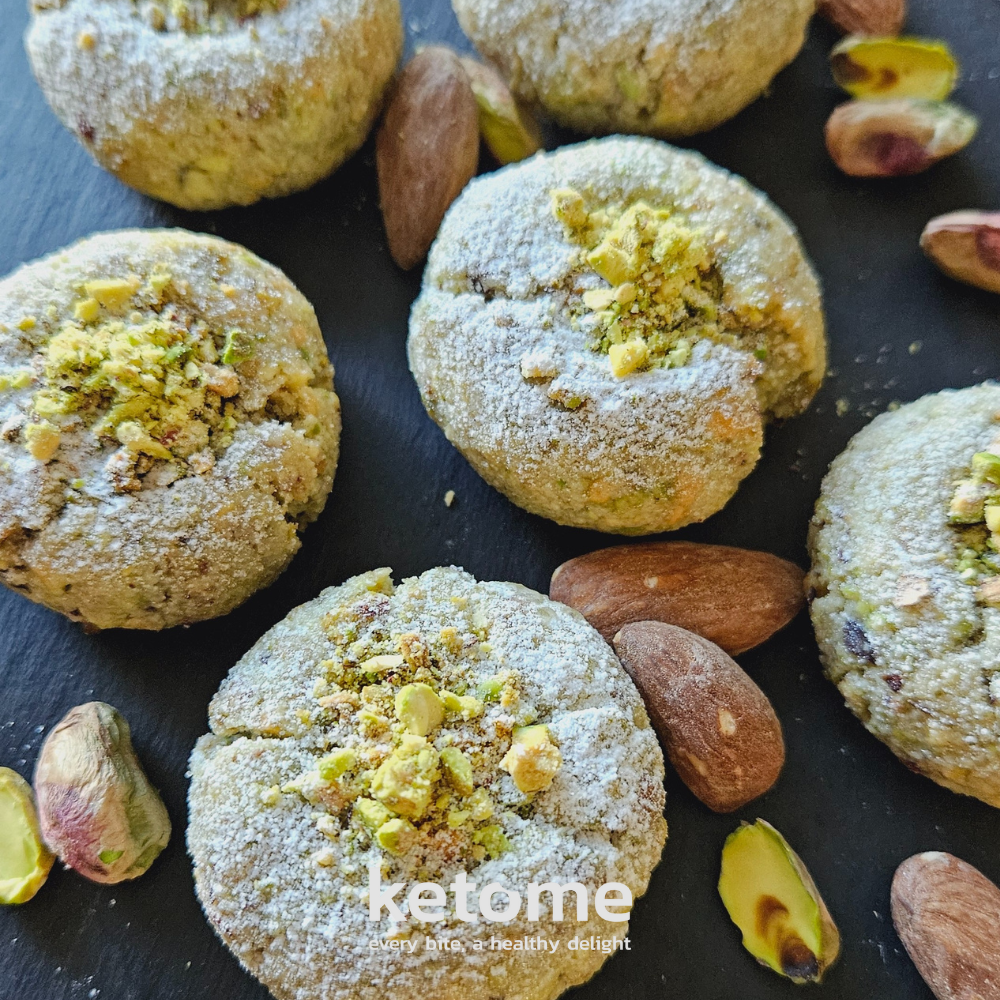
[[24, 860], [405, 781], [463, 705], [397, 836], [16, 378], [509, 130], [419, 709], [458, 769], [773, 900], [986, 467], [371, 814], [493, 839], [336, 764], [490, 688], [872, 68], [94, 799], [239, 347]]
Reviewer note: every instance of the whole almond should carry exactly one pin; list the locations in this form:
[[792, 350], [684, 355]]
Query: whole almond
[[736, 598], [718, 728], [947, 915], [865, 17], [427, 150], [966, 246]]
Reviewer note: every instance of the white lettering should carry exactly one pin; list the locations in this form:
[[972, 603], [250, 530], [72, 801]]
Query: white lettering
[[377, 899], [601, 901], [461, 887], [417, 904], [558, 891], [486, 903]]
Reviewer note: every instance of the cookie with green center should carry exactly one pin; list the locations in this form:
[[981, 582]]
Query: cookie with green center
[[168, 426], [431, 728], [605, 331], [660, 67], [209, 103], [906, 584]]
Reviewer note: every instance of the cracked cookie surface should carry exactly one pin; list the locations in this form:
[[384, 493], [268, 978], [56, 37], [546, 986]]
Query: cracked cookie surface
[[168, 425], [209, 103], [604, 332], [660, 67], [310, 773], [908, 626]]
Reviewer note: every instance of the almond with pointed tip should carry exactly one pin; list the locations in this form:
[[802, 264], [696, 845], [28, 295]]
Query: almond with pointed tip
[[947, 915], [718, 728], [736, 598], [427, 150], [966, 246]]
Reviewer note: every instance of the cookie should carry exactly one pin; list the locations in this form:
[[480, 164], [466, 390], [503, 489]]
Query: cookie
[[905, 584], [209, 103], [667, 68], [168, 426], [604, 332], [430, 729]]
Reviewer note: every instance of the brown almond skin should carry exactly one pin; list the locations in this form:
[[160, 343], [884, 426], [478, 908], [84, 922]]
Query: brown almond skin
[[427, 150], [864, 17], [717, 727], [966, 246], [736, 598], [947, 914]]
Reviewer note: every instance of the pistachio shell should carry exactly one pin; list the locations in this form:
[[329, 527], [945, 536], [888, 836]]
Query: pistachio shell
[[897, 137], [875, 68], [966, 246], [98, 811]]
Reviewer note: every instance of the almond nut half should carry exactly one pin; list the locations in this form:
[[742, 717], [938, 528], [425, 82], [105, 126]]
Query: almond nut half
[[736, 598], [718, 728], [966, 246], [947, 915], [427, 150], [865, 17], [896, 138]]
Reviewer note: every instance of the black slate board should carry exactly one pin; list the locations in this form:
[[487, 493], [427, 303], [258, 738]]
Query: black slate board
[[843, 801]]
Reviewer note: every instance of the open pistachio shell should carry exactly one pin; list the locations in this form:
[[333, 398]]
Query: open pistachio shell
[[508, 129]]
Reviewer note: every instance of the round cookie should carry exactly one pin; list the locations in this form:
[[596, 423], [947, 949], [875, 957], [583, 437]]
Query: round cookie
[[168, 425], [604, 331], [209, 103], [906, 585], [315, 769], [667, 68]]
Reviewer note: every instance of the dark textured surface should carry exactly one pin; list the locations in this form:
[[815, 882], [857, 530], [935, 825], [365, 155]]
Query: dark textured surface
[[844, 802]]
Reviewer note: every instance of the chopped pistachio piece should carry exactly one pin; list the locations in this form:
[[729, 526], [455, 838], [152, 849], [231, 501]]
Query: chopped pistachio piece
[[371, 814], [397, 836], [458, 769], [336, 764], [419, 709], [405, 782], [533, 759]]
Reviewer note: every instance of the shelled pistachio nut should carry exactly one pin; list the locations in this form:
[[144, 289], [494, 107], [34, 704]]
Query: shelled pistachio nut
[[508, 129], [898, 137], [24, 860], [876, 68], [966, 246], [99, 813]]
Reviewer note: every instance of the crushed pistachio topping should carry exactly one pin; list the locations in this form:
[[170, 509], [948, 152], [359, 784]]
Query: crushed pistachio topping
[[424, 757], [663, 290], [141, 375], [204, 16], [974, 513]]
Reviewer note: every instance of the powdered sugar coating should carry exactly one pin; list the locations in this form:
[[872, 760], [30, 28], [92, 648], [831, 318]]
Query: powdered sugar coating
[[263, 107], [174, 551], [305, 932], [650, 452], [661, 67], [920, 671]]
